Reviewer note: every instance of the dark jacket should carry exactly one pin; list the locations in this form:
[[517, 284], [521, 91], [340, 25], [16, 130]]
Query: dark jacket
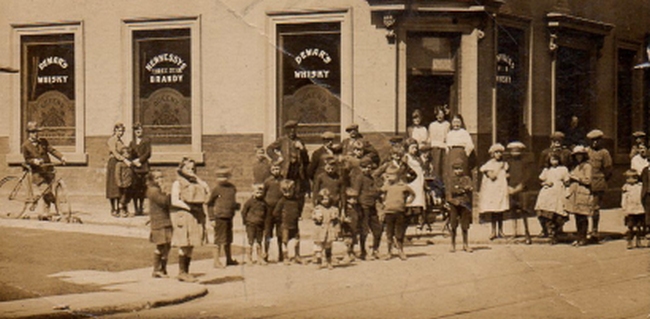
[[261, 170], [39, 150], [367, 189], [286, 147], [159, 205], [317, 162], [142, 152], [222, 202], [289, 211], [331, 183], [254, 211], [272, 191]]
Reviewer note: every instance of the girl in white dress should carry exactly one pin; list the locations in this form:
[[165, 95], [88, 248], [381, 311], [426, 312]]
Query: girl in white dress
[[412, 159], [417, 131], [494, 199], [550, 200]]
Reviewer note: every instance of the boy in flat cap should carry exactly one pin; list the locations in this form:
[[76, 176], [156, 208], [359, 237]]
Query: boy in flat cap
[[517, 181], [348, 143], [366, 186], [289, 210], [601, 168], [330, 180], [253, 215], [272, 195], [221, 211], [556, 148], [37, 151], [459, 197], [317, 162]]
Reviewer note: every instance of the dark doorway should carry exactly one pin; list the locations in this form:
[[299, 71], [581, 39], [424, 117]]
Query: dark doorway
[[573, 88], [431, 61]]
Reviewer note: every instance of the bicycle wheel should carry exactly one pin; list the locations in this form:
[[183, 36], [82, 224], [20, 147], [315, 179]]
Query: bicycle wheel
[[14, 196], [62, 203]]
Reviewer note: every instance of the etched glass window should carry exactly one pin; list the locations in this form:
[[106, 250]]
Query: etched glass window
[[162, 85], [48, 94], [309, 78]]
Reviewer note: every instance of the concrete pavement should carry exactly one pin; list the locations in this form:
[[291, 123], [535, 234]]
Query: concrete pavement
[[135, 290]]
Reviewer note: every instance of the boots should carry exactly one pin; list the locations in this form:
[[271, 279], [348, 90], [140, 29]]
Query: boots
[[453, 241], [285, 258], [157, 267], [466, 242], [500, 226], [346, 258], [390, 251], [493, 227], [296, 256], [261, 256], [217, 257], [163, 266], [362, 246], [318, 258], [229, 260], [249, 256], [281, 255], [328, 259], [184, 269], [400, 251]]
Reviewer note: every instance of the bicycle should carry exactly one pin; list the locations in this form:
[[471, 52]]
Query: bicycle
[[22, 197]]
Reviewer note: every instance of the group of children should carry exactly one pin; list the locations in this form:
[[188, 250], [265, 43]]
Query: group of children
[[353, 198]]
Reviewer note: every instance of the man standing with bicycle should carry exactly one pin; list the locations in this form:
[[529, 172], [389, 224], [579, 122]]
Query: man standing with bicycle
[[36, 152]]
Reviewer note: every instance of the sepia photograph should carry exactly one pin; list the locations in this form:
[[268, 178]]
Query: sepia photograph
[[325, 159]]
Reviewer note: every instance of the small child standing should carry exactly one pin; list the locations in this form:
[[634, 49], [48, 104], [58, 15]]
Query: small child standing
[[459, 197], [350, 224], [396, 195], [326, 219], [272, 195], [517, 180], [221, 211], [633, 208], [124, 180], [550, 200], [160, 221], [261, 166], [330, 180], [368, 191], [493, 197], [288, 208], [253, 215]]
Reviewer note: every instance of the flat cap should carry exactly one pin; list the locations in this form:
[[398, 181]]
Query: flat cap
[[630, 173], [352, 127], [351, 192], [638, 134], [457, 164], [496, 148], [424, 147], [327, 135], [32, 126], [290, 123], [365, 162], [396, 139], [594, 134], [579, 149], [222, 171], [516, 145], [557, 136]]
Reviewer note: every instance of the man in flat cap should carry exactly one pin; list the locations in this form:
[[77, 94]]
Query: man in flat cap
[[368, 149], [317, 162], [36, 151], [601, 169], [556, 148], [291, 152]]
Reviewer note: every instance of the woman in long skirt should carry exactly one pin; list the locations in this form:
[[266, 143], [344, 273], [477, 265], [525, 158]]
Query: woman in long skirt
[[115, 145], [460, 147]]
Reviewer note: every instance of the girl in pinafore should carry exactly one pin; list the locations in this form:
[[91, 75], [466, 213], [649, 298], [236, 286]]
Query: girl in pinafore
[[493, 197], [579, 199], [326, 219], [550, 201], [633, 208], [412, 160]]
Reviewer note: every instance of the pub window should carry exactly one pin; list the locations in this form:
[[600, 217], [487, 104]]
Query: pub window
[[309, 78], [511, 79], [48, 87], [624, 96], [162, 86]]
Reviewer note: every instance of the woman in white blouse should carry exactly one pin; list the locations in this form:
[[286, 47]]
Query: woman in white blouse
[[438, 130], [459, 144]]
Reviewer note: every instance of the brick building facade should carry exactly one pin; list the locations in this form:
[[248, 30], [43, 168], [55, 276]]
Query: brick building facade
[[213, 79]]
